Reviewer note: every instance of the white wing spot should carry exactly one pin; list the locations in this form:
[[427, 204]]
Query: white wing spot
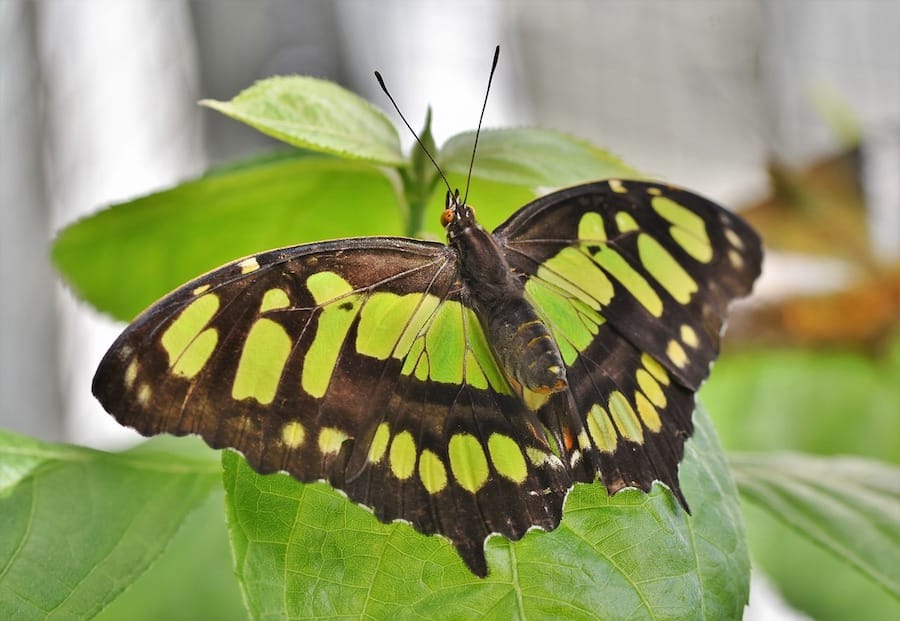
[[689, 336], [131, 373], [616, 186], [143, 395], [248, 265], [293, 434], [734, 239]]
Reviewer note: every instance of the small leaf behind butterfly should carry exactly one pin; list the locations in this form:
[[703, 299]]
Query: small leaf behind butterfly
[[532, 158], [316, 114]]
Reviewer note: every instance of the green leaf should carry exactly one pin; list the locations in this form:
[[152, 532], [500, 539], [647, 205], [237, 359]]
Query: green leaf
[[304, 551], [200, 550], [318, 115], [514, 167], [821, 389], [825, 402], [420, 177], [849, 506], [125, 257], [493, 201], [78, 526], [529, 157]]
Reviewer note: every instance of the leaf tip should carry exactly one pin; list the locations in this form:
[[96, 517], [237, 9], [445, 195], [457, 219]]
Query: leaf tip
[[215, 104]]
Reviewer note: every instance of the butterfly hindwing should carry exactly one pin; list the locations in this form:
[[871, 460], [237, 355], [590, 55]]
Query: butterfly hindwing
[[356, 362], [633, 279]]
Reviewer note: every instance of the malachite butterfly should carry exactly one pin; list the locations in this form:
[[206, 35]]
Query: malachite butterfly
[[463, 388]]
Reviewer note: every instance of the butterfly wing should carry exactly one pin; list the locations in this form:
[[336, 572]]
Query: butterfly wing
[[633, 279], [357, 362]]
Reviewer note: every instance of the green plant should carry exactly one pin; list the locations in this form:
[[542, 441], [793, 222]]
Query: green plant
[[78, 527]]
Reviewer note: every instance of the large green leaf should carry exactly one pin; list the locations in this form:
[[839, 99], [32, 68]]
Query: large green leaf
[[316, 114], [850, 506], [304, 551], [125, 257], [78, 526]]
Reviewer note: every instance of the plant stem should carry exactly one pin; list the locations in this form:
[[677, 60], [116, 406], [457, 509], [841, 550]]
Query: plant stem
[[416, 215], [419, 178]]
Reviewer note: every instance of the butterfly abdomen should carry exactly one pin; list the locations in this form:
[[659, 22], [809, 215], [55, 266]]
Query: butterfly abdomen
[[524, 347], [526, 352]]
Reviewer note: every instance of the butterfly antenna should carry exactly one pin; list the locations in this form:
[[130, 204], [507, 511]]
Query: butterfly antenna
[[412, 131], [480, 119]]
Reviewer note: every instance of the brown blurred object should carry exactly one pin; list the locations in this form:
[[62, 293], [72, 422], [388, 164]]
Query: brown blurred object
[[820, 211], [864, 315]]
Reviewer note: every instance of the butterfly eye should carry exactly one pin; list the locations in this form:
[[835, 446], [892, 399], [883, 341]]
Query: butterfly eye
[[447, 217], [472, 213]]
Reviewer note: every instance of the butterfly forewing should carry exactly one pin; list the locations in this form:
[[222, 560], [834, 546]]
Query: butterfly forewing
[[356, 362]]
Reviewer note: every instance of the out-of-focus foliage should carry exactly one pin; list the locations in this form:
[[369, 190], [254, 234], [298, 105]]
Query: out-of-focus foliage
[[819, 374]]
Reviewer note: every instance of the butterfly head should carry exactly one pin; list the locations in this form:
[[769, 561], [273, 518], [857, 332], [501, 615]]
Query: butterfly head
[[457, 217]]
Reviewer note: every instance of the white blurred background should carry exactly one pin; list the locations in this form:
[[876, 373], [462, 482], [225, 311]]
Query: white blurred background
[[98, 105]]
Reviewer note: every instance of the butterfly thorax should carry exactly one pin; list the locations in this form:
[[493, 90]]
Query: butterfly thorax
[[519, 339]]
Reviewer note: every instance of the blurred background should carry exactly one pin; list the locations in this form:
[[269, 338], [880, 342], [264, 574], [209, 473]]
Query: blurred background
[[789, 111]]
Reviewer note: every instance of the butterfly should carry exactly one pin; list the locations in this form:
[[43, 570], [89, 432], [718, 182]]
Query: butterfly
[[462, 387]]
